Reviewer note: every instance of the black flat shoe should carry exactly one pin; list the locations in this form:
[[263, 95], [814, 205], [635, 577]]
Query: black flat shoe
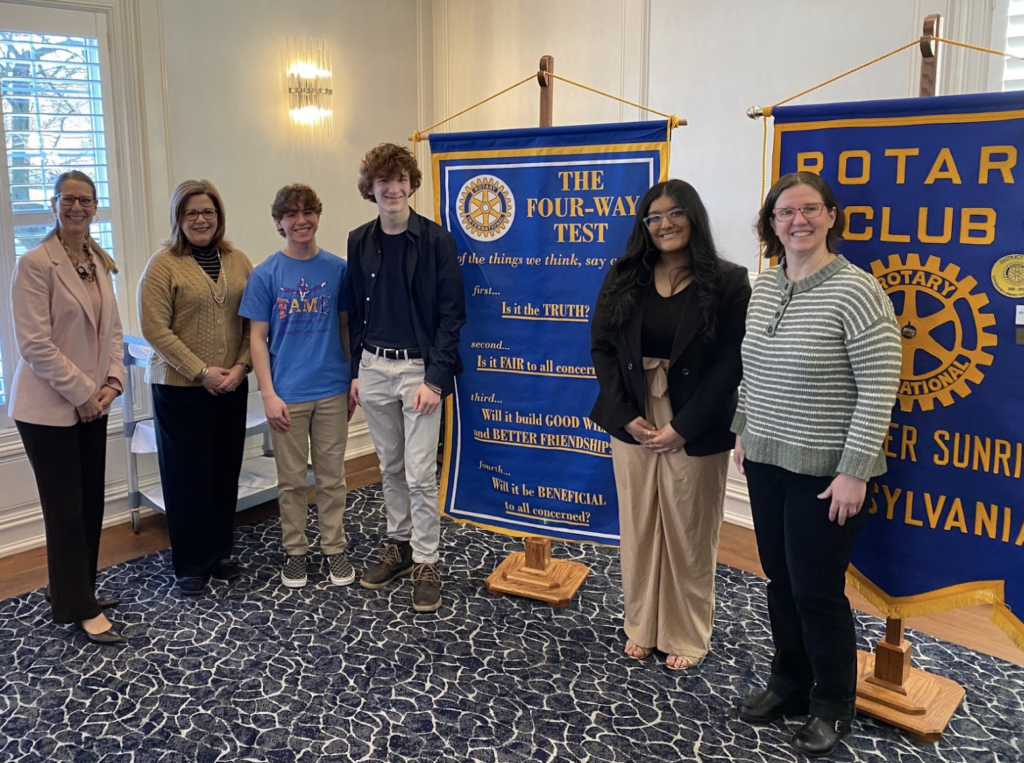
[[767, 706], [228, 570], [110, 636], [192, 586], [818, 737]]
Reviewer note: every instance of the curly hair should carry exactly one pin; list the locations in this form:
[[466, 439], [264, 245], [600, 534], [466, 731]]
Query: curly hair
[[387, 161], [293, 197]]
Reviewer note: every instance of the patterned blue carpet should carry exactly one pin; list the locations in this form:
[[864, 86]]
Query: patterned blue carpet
[[255, 672]]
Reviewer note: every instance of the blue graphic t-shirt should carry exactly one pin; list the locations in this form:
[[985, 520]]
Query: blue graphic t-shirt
[[301, 299]]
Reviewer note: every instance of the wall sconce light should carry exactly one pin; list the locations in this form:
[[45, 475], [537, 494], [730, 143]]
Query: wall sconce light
[[310, 85]]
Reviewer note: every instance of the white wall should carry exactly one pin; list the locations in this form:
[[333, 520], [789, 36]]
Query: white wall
[[225, 105]]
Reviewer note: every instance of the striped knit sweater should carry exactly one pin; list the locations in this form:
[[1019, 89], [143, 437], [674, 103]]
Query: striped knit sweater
[[821, 366]]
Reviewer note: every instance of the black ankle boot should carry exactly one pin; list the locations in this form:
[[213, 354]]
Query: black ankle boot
[[818, 737], [767, 706]]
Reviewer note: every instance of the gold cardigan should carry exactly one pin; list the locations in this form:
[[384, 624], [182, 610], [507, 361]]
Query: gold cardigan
[[184, 323]]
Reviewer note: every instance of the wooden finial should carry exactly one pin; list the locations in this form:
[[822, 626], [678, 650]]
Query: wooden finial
[[547, 90], [929, 84]]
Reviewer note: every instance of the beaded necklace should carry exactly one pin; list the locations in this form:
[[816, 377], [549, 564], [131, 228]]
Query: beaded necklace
[[85, 268]]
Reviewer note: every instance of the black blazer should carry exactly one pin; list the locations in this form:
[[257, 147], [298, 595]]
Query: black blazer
[[435, 285], [702, 377]]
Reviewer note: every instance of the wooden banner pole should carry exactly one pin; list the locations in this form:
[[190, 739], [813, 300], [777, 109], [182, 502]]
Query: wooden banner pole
[[888, 687], [533, 573], [547, 90]]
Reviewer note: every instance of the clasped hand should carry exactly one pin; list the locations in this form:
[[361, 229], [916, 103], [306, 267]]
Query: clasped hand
[[98, 405], [664, 440], [219, 381]]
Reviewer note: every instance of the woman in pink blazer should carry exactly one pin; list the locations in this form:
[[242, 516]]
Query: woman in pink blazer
[[70, 371]]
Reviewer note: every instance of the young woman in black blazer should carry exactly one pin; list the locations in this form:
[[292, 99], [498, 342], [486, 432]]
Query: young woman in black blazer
[[666, 339]]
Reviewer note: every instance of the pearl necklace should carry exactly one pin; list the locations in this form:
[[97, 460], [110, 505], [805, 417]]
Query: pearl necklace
[[223, 297]]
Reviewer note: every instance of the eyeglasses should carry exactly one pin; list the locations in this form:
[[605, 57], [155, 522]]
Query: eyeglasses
[[69, 201], [676, 216], [193, 214], [809, 211]]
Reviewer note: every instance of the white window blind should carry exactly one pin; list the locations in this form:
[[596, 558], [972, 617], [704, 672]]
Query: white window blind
[[52, 104], [1013, 73]]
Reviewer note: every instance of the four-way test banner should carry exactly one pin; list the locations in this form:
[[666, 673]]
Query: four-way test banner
[[538, 216]]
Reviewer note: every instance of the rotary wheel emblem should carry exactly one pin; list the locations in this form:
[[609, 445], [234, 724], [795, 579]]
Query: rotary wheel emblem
[[943, 326], [486, 208]]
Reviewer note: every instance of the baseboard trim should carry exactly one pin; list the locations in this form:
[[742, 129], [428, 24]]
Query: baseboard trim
[[26, 522]]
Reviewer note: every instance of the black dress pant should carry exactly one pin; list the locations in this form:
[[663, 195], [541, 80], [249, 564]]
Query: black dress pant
[[805, 557], [69, 464], [200, 438]]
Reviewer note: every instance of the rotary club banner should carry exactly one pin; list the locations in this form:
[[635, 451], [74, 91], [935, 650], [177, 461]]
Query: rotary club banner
[[538, 216], [934, 197]]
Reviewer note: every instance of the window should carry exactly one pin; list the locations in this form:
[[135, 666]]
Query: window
[[53, 121], [1013, 73]]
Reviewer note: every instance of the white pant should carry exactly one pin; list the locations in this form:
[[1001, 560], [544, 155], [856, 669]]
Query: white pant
[[406, 445]]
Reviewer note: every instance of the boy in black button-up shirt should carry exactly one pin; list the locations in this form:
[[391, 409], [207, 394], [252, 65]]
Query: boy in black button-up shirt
[[406, 309]]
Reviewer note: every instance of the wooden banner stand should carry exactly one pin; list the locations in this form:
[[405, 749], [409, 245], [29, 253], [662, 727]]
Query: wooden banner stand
[[888, 688], [533, 573]]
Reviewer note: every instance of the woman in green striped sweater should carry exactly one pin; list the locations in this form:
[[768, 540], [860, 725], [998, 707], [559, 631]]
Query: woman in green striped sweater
[[821, 365]]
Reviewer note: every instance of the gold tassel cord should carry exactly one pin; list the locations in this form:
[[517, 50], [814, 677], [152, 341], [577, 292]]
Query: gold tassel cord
[[978, 48], [673, 120], [767, 110], [419, 134]]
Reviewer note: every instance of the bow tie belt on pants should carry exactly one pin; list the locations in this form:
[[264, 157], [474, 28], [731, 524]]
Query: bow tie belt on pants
[[656, 374]]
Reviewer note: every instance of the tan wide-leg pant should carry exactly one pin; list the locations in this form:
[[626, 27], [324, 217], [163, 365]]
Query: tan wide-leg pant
[[670, 514]]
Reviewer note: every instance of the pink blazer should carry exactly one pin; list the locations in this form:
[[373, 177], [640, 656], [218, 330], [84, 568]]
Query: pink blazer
[[67, 351]]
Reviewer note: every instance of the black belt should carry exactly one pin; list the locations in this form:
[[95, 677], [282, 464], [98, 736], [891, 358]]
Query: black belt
[[388, 354]]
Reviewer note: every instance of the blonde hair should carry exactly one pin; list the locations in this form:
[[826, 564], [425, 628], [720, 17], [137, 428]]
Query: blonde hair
[[178, 243]]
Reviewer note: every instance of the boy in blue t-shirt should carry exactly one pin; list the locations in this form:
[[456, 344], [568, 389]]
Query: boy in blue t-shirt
[[297, 303]]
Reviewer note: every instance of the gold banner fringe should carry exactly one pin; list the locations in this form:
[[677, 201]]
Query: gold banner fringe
[[942, 600], [1010, 625]]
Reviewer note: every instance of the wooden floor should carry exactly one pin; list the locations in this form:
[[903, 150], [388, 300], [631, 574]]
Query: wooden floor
[[26, 571]]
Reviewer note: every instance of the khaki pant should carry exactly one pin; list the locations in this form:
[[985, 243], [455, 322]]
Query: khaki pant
[[670, 514], [322, 424]]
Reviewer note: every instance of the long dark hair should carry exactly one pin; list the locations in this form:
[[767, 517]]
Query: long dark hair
[[772, 245], [634, 271]]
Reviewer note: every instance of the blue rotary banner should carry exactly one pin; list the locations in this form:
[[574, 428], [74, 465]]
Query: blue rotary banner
[[934, 197], [538, 215]]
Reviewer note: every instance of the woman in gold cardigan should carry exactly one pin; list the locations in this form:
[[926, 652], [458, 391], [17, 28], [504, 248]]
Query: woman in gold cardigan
[[188, 303]]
